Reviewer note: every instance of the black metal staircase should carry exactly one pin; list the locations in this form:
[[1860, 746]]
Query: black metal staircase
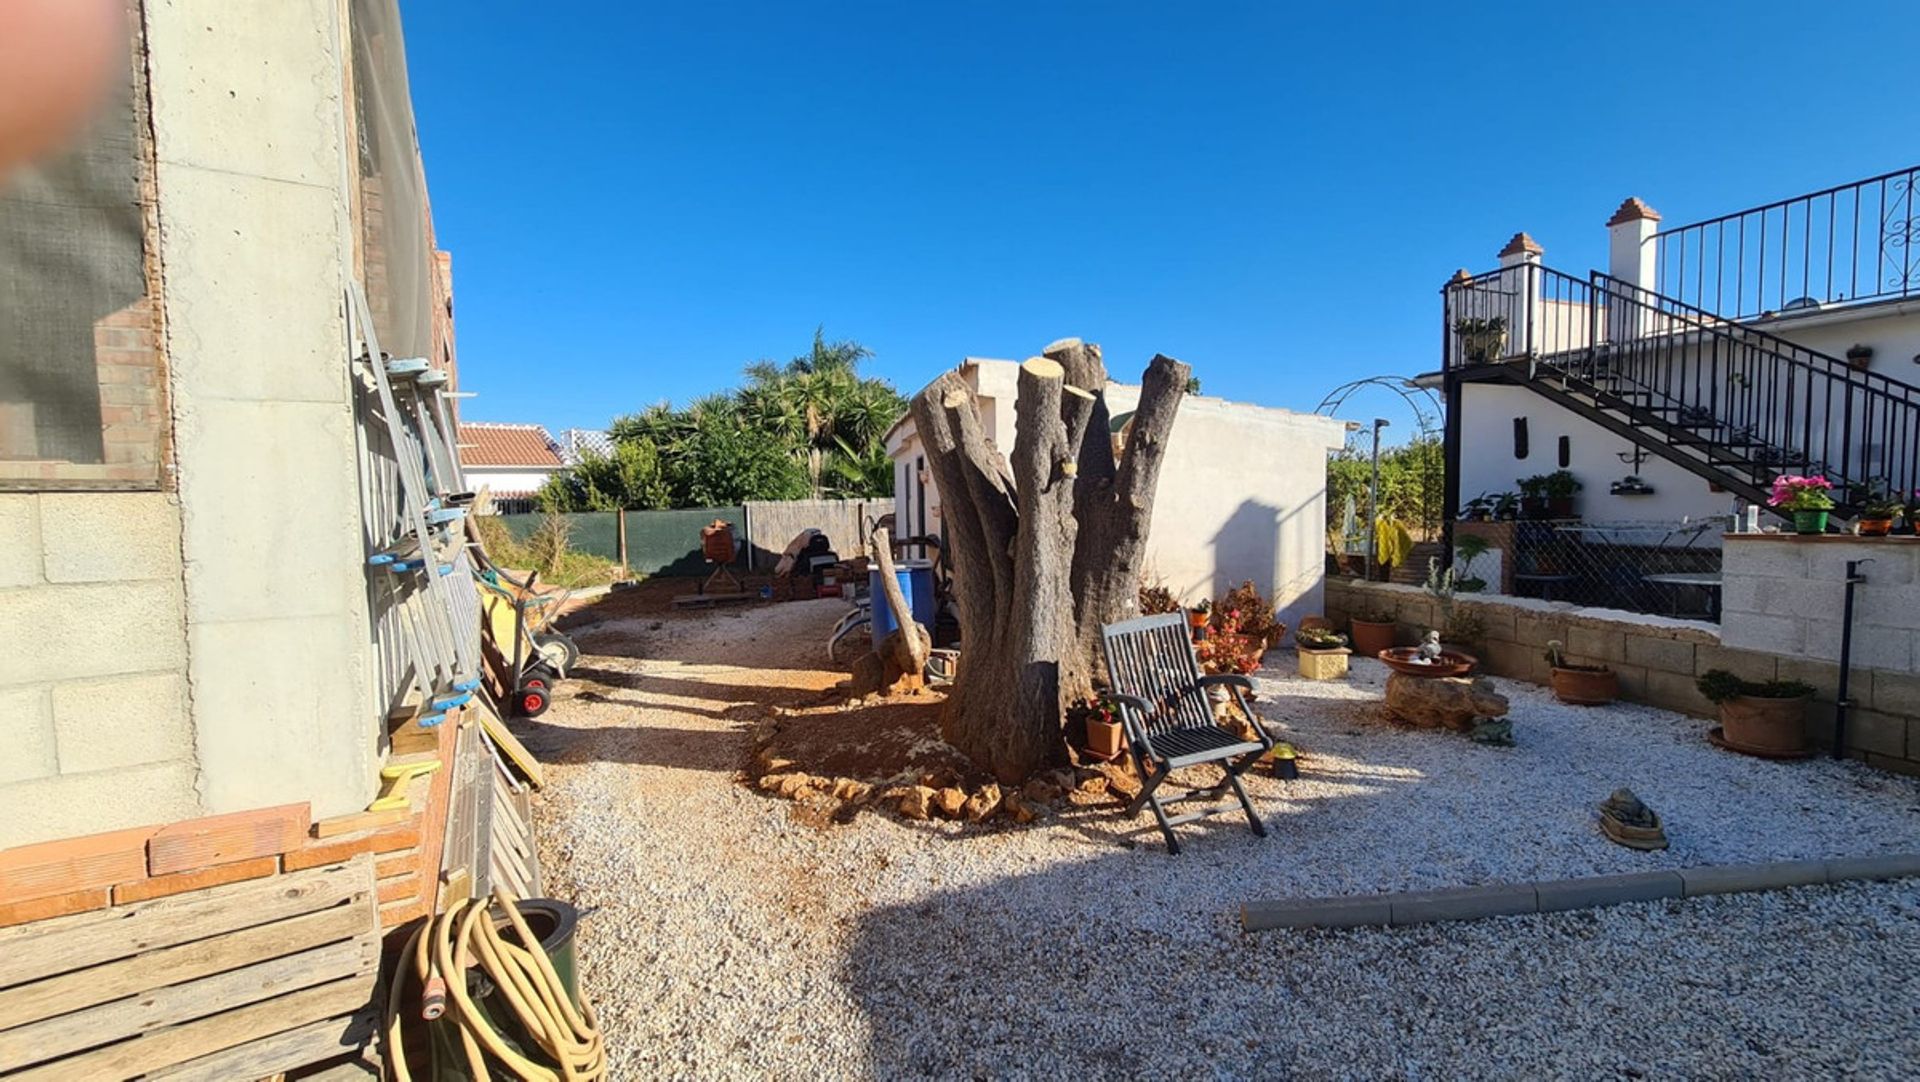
[[1731, 404]]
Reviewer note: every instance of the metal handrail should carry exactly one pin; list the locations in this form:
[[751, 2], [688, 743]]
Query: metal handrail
[[1787, 405], [1887, 249]]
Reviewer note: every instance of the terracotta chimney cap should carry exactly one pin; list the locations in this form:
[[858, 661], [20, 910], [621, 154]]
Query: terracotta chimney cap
[[1633, 210], [1521, 244]]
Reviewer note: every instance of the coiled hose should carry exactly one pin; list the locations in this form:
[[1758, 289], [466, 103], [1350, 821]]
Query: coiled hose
[[442, 949]]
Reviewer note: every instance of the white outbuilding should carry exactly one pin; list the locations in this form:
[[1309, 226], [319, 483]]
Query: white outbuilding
[[1242, 492]]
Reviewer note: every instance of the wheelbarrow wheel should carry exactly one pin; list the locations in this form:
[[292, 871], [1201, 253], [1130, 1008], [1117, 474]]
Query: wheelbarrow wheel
[[558, 649], [531, 700]]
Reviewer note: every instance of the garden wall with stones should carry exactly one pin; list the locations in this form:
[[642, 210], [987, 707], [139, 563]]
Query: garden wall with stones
[[1657, 660]]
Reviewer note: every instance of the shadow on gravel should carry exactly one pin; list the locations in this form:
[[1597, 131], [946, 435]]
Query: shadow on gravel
[[715, 750]]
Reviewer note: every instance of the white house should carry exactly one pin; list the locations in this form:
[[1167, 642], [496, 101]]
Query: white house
[[511, 460], [1784, 338], [1242, 492]]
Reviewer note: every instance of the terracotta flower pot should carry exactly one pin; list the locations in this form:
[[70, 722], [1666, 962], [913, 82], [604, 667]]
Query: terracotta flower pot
[[1765, 726], [1370, 637], [1876, 527], [1105, 739], [1586, 686]]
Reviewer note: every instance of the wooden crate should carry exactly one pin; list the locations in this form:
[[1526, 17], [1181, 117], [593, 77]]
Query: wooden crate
[[232, 982]]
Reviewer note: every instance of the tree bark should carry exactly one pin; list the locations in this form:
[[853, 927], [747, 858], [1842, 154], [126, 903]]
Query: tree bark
[[1045, 548]]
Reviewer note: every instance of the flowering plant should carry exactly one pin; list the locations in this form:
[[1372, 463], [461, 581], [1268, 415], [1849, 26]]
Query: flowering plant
[[1801, 493], [1230, 649]]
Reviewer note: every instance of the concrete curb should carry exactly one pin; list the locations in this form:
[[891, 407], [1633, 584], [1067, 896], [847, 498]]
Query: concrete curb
[[1559, 895]]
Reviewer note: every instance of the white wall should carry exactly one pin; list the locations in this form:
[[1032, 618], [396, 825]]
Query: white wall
[[505, 478], [1487, 462], [1242, 493]]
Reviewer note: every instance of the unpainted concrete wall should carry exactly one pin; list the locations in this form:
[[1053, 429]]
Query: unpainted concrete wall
[[1786, 595], [249, 128]]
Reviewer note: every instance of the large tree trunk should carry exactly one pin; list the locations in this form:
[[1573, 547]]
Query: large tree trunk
[[1045, 548]]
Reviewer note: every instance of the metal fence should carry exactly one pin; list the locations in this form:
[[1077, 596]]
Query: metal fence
[[668, 542], [1661, 568]]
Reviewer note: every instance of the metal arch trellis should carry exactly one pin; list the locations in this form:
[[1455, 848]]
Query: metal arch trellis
[[1422, 401]]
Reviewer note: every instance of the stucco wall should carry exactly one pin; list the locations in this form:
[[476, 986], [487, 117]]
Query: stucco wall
[[505, 478], [1242, 493], [1488, 465]]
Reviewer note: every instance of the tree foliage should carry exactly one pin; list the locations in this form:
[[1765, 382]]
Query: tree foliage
[[810, 427], [1412, 484]]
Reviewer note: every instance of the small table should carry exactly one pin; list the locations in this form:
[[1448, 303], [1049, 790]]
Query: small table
[[1704, 580]]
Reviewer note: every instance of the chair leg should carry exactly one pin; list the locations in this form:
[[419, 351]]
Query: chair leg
[[1246, 805], [1149, 798]]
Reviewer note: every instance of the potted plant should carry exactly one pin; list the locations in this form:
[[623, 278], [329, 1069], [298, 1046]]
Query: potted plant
[[1877, 515], [1373, 631], [1483, 340], [1323, 653], [1761, 718], [1561, 485], [1106, 739], [1582, 685], [1229, 649], [1533, 496], [1198, 614], [1478, 509], [1254, 614], [1807, 499], [1860, 357], [1467, 548]]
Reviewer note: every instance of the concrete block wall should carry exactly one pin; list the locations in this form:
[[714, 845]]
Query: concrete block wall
[[1786, 595], [1657, 659], [94, 715]]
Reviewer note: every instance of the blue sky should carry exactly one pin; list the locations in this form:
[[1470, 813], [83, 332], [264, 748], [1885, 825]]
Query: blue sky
[[643, 198]]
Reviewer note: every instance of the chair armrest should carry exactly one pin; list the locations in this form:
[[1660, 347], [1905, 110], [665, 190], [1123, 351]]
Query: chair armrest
[[1229, 679], [1134, 701]]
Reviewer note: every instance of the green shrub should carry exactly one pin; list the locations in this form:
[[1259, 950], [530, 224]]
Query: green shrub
[[1720, 686]]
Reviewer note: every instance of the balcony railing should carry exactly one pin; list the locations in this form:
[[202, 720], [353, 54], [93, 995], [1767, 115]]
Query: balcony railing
[[1857, 242]]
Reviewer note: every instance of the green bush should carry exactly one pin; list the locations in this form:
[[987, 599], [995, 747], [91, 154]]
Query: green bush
[[1720, 686]]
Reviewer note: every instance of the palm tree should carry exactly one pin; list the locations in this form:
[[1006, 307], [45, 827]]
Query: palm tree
[[819, 400]]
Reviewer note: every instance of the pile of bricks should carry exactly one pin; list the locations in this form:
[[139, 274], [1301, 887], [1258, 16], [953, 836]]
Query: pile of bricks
[[121, 867]]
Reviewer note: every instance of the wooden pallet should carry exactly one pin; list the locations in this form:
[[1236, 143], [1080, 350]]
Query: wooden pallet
[[239, 981]]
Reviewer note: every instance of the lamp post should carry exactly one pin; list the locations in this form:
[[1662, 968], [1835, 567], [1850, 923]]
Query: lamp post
[[1373, 500]]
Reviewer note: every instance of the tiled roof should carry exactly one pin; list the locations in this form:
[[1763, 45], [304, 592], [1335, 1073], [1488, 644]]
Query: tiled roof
[[507, 445]]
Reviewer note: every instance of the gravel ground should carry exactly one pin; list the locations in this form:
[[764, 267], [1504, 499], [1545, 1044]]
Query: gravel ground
[[730, 939]]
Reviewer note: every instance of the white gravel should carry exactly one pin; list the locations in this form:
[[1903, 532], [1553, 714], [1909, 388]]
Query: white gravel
[[729, 940]]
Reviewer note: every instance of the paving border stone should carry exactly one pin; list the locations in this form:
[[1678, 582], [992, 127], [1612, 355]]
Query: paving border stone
[[1561, 895]]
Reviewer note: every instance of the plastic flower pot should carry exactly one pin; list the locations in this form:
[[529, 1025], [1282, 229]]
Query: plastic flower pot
[[1585, 685], [1810, 522]]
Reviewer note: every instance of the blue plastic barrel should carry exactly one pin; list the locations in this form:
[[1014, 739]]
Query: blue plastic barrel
[[920, 599], [883, 624]]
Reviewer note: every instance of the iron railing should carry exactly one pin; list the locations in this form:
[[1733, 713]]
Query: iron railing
[[1856, 242], [1751, 397]]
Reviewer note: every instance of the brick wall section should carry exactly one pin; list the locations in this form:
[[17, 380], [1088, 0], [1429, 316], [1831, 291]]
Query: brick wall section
[[93, 691], [54, 878], [1657, 660]]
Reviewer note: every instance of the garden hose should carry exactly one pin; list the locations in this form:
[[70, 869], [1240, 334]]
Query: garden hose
[[437, 957]]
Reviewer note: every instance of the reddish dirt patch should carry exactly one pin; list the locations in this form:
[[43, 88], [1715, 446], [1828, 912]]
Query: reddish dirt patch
[[897, 739]]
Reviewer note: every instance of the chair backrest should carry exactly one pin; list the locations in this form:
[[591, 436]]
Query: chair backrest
[[1152, 657]]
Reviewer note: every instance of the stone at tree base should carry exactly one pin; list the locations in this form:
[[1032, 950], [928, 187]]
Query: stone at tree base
[[950, 802], [1455, 701], [918, 802], [983, 803]]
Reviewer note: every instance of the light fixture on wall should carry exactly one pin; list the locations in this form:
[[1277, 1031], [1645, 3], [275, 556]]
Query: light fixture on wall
[[1631, 484]]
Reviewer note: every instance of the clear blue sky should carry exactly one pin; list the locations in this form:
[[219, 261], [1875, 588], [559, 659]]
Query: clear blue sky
[[642, 198]]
